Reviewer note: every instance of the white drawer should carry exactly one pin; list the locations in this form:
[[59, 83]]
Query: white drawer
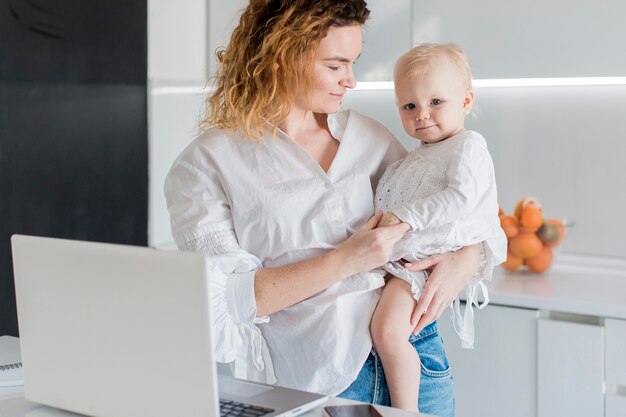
[[615, 406], [615, 331], [570, 373]]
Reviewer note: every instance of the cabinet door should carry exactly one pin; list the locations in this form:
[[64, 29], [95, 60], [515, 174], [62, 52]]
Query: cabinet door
[[178, 48], [615, 367], [615, 405], [570, 369], [498, 377], [615, 352]]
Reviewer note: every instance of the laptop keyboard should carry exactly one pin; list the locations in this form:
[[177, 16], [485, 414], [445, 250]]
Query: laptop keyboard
[[235, 409]]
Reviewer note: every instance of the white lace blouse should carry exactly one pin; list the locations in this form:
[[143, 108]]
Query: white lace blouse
[[259, 205], [447, 192]]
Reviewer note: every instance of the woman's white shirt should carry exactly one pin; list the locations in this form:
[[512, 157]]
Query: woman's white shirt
[[259, 205]]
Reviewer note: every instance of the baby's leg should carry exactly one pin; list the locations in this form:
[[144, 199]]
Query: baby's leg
[[390, 330]]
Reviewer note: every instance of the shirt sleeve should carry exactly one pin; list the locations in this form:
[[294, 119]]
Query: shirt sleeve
[[469, 179], [201, 222], [394, 153]]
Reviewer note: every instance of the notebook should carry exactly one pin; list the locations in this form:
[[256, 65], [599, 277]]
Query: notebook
[[10, 362], [124, 331]]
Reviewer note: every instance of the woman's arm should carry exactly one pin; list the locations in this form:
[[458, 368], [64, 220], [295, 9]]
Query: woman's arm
[[368, 248], [451, 273]]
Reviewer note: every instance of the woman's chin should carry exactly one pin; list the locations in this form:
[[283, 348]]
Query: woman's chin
[[334, 109]]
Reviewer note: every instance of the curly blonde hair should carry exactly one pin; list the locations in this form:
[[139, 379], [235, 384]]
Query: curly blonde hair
[[269, 57]]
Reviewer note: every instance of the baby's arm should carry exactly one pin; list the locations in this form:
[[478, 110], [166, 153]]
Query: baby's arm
[[470, 177]]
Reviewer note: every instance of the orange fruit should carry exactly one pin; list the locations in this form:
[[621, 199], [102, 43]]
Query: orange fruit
[[541, 261], [517, 211], [512, 262], [509, 225], [523, 202], [525, 245], [551, 232], [531, 217]]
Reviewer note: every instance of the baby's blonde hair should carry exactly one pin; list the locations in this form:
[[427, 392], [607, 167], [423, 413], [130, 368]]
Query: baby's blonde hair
[[419, 60]]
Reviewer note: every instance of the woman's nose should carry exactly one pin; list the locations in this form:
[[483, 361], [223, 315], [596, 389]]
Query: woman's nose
[[349, 80]]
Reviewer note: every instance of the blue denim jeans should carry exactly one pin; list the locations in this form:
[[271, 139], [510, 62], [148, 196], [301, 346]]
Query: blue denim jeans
[[436, 395]]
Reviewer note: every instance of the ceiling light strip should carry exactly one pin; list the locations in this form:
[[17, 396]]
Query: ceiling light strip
[[479, 83], [548, 82], [514, 82]]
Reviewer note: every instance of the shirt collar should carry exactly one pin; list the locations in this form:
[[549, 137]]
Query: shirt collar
[[337, 123]]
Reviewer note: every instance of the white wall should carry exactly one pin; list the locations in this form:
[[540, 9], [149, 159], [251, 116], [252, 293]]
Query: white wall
[[182, 39], [564, 145], [567, 147]]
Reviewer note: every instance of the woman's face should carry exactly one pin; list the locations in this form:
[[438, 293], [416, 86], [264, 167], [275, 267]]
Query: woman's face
[[332, 70]]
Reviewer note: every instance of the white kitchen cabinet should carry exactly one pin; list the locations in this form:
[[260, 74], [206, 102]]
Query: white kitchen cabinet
[[507, 39], [615, 352], [570, 372], [498, 377], [615, 367], [578, 350], [177, 40], [615, 405], [387, 35]]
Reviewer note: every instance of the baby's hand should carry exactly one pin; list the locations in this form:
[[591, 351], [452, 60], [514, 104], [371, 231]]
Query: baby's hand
[[389, 219]]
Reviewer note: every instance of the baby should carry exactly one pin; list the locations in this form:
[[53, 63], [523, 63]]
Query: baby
[[445, 189]]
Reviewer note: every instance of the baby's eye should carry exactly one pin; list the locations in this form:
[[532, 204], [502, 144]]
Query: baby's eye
[[436, 101], [409, 106]]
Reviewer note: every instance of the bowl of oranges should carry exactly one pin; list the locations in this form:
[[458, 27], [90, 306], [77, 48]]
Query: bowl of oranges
[[531, 237]]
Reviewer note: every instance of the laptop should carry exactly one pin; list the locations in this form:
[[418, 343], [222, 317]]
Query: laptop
[[125, 331]]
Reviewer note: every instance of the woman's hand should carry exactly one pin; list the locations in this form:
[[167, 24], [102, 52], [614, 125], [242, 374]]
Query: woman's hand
[[450, 273], [283, 286], [370, 247]]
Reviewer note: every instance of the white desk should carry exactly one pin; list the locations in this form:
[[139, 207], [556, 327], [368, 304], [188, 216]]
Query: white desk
[[17, 406]]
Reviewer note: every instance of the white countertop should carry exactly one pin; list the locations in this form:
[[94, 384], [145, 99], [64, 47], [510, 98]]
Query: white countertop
[[578, 286]]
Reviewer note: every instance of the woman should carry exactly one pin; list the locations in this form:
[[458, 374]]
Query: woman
[[278, 188]]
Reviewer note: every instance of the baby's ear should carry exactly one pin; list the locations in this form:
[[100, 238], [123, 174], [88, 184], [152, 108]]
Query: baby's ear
[[469, 98]]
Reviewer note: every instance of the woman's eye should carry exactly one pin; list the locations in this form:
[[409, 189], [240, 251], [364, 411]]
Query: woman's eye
[[436, 101], [333, 68], [409, 106]]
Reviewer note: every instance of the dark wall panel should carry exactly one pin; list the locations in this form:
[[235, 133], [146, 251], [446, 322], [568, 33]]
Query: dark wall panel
[[73, 126], [95, 41], [73, 164]]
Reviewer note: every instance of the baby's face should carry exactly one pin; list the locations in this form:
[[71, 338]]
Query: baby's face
[[433, 104]]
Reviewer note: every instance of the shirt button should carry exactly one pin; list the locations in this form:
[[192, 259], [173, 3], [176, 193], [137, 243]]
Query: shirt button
[[326, 185]]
